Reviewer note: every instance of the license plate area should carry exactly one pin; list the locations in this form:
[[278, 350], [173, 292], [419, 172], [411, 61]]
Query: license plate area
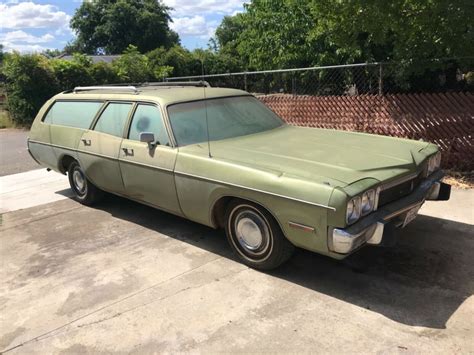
[[411, 215]]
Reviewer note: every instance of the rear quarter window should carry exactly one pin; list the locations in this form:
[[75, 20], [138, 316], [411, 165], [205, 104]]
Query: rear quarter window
[[79, 114]]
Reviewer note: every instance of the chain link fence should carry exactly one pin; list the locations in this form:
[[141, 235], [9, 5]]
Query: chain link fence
[[353, 79], [433, 101]]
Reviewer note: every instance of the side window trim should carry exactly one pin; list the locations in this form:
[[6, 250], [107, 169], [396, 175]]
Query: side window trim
[[99, 113], [164, 120], [127, 121]]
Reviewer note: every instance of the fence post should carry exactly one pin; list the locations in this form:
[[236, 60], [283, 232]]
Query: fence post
[[245, 81], [380, 80], [293, 83]]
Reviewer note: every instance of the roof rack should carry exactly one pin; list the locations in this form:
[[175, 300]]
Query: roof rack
[[114, 88], [200, 83], [128, 87]]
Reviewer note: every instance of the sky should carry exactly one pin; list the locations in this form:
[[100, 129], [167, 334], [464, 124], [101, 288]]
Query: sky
[[36, 25]]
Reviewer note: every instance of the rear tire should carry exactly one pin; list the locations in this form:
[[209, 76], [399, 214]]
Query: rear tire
[[84, 191], [255, 236]]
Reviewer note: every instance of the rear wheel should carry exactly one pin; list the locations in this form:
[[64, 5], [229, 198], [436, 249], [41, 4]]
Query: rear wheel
[[84, 191], [255, 236]]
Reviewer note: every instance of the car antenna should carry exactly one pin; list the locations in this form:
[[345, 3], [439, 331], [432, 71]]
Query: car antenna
[[205, 109]]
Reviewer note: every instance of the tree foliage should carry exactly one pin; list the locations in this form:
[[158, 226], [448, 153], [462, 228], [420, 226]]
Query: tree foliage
[[228, 33], [132, 66], [397, 30], [181, 61], [290, 33], [103, 73], [110, 26], [276, 35], [30, 81], [72, 73]]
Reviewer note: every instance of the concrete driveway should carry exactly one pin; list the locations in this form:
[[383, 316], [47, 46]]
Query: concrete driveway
[[123, 277]]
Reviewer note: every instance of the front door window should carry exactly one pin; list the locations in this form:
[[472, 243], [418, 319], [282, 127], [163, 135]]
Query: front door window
[[147, 118]]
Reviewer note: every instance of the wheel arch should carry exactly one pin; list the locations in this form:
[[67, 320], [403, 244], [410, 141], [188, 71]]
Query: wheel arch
[[64, 162], [219, 207]]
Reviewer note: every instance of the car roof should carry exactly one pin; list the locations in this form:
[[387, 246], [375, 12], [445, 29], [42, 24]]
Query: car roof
[[164, 95]]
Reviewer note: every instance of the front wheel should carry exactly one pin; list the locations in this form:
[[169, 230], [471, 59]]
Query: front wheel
[[84, 191], [255, 236]]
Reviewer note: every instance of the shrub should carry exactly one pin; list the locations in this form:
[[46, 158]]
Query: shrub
[[103, 73], [70, 74], [30, 81]]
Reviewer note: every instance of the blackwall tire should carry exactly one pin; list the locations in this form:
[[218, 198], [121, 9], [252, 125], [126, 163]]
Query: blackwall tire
[[84, 191]]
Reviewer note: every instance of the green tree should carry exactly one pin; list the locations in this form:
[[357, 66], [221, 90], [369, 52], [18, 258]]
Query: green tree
[[299, 33], [228, 33], [30, 81], [132, 66], [214, 63], [178, 58], [397, 30], [110, 26], [277, 35], [409, 32]]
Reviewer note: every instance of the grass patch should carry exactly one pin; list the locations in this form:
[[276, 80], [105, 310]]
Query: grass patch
[[463, 180]]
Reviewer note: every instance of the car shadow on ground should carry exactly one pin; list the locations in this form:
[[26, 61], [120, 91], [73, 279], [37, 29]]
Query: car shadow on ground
[[421, 281]]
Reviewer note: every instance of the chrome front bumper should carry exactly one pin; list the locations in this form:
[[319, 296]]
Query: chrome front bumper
[[372, 228]]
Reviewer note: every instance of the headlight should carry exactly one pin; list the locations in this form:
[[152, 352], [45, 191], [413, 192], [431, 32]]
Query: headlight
[[353, 210], [368, 202], [434, 163]]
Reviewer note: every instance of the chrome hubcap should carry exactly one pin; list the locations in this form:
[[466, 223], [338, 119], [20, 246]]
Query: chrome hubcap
[[79, 181], [251, 230]]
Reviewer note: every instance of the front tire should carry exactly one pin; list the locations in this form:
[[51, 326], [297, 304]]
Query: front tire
[[84, 191], [255, 236]]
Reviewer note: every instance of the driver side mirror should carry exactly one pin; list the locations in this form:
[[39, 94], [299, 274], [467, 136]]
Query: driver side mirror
[[148, 137]]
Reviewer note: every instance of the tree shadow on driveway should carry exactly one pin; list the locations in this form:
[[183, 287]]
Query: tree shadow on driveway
[[420, 282]]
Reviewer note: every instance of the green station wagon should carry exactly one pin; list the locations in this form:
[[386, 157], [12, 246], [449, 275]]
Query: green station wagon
[[221, 158]]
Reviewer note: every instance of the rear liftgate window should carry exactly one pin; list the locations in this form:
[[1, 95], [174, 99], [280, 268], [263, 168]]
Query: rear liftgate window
[[77, 114]]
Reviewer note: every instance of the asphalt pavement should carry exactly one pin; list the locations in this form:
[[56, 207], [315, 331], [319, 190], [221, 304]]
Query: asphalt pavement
[[14, 156]]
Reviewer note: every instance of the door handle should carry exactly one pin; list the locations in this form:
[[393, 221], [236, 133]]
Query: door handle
[[86, 142], [128, 151]]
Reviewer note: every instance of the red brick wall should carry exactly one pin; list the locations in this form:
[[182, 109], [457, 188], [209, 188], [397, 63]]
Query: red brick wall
[[444, 119]]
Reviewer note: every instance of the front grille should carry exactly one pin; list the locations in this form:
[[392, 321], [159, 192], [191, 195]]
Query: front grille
[[398, 191]]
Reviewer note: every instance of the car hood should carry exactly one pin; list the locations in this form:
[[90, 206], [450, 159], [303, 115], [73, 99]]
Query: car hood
[[336, 158]]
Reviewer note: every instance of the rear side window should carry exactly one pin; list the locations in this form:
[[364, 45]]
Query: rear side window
[[79, 114], [147, 118], [112, 120]]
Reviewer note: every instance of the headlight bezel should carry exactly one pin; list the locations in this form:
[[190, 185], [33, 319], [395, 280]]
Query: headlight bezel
[[355, 214], [354, 206], [371, 197]]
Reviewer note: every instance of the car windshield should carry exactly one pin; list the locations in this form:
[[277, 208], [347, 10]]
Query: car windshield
[[227, 118]]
